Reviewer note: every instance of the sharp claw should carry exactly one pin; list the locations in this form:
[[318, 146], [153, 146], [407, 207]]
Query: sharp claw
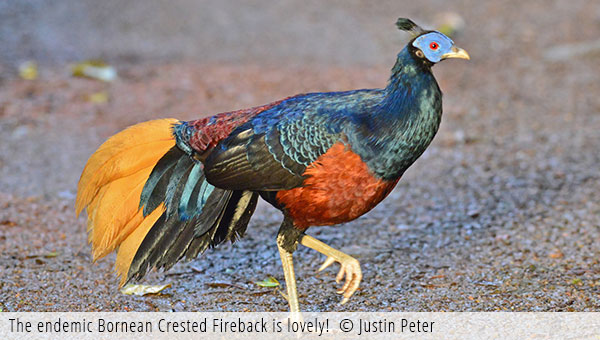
[[340, 275], [350, 267], [344, 300], [328, 262], [349, 280], [353, 278]]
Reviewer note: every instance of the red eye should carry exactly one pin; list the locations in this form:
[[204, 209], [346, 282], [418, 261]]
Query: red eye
[[434, 46]]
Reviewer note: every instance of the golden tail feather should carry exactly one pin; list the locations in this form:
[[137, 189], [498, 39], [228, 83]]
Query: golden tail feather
[[123, 154], [131, 243], [114, 209], [111, 184]]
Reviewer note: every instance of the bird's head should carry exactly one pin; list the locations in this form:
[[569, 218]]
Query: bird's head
[[431, 46]]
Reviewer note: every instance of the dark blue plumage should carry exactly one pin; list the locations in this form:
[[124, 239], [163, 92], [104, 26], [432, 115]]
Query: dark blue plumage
[[321, 158], [388, 128]]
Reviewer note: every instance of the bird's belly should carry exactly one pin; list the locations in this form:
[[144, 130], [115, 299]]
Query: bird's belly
[[338, 188]]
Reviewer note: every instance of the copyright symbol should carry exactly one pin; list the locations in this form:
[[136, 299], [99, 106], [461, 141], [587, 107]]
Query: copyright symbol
[[346, 325]]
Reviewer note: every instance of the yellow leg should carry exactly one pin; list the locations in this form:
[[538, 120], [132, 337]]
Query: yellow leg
[[350, 267], [287, 262]]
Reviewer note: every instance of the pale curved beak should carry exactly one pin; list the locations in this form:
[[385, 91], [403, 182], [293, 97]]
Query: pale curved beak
[[456, 52]]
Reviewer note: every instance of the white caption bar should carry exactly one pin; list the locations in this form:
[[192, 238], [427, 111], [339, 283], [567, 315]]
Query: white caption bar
[[264, 326]]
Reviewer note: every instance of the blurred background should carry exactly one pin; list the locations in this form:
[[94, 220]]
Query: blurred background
[[334, 32], [259, 31], [501, 213]]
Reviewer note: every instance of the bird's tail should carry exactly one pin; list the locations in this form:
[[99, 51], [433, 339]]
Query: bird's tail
[[112, 182], [150, 200]]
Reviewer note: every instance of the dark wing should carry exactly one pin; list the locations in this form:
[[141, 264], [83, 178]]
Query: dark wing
[[197, 215], [207, 182], [272, 150]]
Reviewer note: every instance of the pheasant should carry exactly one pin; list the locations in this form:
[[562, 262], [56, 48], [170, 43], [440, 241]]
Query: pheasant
[[165, 190]]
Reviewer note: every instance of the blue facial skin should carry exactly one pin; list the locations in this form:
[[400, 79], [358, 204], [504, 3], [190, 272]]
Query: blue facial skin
[[427, 43]]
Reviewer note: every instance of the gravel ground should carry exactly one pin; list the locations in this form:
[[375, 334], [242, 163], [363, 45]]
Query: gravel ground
[[501, 213]]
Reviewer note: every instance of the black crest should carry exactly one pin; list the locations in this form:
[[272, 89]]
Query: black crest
[[408, 25]]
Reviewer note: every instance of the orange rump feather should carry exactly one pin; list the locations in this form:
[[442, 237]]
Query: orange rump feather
[[110, 188]]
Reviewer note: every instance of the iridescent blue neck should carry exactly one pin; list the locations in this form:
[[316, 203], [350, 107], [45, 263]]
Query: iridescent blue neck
[[407, 117], [408, 77]]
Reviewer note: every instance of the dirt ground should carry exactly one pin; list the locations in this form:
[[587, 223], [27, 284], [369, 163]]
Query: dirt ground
[[501, 213]]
